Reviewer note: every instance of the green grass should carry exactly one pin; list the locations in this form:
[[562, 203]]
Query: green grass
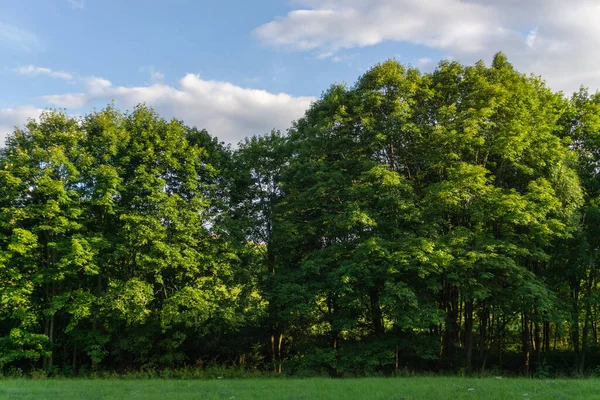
[[318, 388]]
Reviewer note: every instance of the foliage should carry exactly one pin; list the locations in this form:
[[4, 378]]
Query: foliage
[[431, 221]]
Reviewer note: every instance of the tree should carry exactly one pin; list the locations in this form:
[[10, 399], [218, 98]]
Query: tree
[[461, 167]]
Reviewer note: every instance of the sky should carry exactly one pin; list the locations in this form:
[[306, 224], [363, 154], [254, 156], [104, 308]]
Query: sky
[[241, 68]]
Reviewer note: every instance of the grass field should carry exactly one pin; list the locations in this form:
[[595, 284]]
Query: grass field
[[284, 389]]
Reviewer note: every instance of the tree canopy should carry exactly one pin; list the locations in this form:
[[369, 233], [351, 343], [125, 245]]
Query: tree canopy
[[430, 221]]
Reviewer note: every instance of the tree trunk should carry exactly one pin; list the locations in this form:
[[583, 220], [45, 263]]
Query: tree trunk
[[587, 319], [51, 341], [376, 314], [334, 335], [46, 333], [595, 317], [538, 343], [397, 356], [451, 325], [596, 329], [575, 322], [279, 359], [525, 341], [276, 341], [459, 325], [468, 336], [546, 337], [483, 322], [584, 339], [333, 369], [74, 362]]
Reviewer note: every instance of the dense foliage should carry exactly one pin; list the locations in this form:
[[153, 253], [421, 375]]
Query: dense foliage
[[439, 221]]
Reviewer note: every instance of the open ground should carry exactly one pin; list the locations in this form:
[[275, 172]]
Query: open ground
[[426, 388]]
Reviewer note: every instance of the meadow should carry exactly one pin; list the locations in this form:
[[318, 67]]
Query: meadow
[[429, 388]]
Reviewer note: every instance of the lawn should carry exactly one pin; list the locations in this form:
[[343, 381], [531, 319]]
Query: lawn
[[283, 389]]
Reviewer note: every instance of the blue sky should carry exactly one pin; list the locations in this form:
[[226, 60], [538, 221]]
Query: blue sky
[[243, 67]]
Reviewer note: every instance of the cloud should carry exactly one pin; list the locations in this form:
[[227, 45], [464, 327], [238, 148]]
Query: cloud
[[344, 57], [32, 70], [323, 56], [77, 4], [17, 38], [340, 24], [228, 111], [15, 117], [155, 75], [97, 86], [553, 38], [68, 100], [336, 58]]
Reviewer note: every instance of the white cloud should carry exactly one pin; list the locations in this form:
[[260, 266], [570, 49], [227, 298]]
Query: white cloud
[[339, 24], [553, 38], [155, 75], [68, 100], [323, 56], [344, 57], [337, 57], [97, 85], [15, 117], [77, 4], [32, 70], [228, 111], [17, 38]]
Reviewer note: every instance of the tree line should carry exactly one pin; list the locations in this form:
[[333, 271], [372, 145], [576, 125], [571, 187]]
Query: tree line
[[424, 221]]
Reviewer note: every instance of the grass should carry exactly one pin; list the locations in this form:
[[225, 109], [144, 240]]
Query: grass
[[317, 388]]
